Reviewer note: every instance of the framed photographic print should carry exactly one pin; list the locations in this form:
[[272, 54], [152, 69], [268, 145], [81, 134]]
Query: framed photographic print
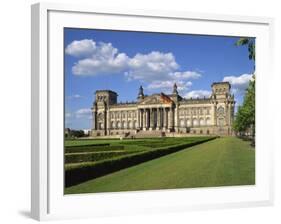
[[148, 111]]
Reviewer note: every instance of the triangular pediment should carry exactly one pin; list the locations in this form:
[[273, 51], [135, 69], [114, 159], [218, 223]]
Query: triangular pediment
[[156, 99]]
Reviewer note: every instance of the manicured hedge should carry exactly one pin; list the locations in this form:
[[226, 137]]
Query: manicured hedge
[[98, 144], [77, 173], [93, 148], [95, 156], [162, 142]]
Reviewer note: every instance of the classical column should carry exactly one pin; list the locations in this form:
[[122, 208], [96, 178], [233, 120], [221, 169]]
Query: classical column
[[144, 119], [138, 119], [147, 119], [164, 118], [151, 118], [171, 118], [176, 119], [158, 119], [141, 124]]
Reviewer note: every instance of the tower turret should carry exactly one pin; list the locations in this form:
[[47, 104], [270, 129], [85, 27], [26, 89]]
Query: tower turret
[[175, 89], [140, 95]]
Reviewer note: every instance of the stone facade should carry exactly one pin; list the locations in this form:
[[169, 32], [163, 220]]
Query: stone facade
[[165, 114]]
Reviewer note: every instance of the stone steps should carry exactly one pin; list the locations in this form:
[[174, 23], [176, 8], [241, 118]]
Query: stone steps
[[149, 134]]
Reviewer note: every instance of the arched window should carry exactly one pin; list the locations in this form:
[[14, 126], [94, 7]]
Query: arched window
[[118, 124], [124, 124], [195, 122], [208, 121], [130, 123], [112, 124], [202, 122], [182, 123], [220, 110], [135, 124], [188, 123]]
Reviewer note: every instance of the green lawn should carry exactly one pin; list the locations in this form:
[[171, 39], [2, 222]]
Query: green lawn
[[221, 162]]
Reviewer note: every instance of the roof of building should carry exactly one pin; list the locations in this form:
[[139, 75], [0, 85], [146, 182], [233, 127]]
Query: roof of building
[[216, 83], [105, 90]]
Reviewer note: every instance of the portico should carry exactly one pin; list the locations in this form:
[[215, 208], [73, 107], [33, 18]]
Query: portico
[[155, 117]]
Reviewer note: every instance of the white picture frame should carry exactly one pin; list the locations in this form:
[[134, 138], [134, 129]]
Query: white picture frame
[[48, 201]]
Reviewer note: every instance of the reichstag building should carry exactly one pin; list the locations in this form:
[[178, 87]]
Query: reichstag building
[[164, 114]]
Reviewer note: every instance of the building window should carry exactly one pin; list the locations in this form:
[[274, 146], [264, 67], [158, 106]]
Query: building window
[[208, 121], [118, 124], [130, 124], [220, 110], [188, 123], [202, 122], [194, 131], [182, 123], [195, 122], [201, 132], [208, 132], [124, 124]]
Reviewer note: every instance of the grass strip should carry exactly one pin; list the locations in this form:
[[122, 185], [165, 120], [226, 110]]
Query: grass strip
[[77, 173]]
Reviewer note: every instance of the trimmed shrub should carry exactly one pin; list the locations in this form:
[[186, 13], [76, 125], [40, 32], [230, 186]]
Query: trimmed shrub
[[93, 148], [94, 156], [77, 173]]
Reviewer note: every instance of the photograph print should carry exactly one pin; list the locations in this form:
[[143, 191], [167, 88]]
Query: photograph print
[[155, 111]]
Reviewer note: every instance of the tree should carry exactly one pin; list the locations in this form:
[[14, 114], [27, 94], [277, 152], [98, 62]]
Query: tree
[[245, 117], [251, 46]]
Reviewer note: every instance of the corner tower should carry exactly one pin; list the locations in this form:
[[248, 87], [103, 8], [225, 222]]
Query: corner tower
[[223, 107], [100, 111]]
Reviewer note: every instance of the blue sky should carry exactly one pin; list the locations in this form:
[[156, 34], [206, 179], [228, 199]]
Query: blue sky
[[122, 61]]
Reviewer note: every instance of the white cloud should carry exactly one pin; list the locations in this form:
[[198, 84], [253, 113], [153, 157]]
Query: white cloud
[[80, 48], [238, 83], [198, 94], [104, 59], [187, 75], [168, 85], [84, 112], [153, 66], [155, 69], [75, 96]]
